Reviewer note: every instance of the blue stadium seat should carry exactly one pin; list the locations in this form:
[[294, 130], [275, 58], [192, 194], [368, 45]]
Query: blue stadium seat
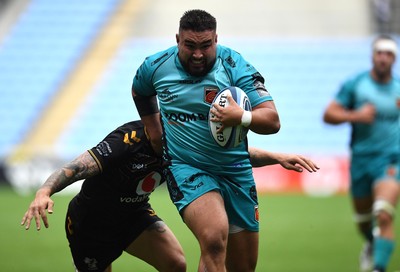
[[38, 54]]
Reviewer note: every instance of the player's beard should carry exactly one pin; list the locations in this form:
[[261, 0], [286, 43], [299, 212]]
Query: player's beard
[[197, 68], [382, 71]]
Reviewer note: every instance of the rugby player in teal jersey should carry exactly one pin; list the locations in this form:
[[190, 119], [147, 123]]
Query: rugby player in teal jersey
[[212, 187], [111, 213], [370, 102]]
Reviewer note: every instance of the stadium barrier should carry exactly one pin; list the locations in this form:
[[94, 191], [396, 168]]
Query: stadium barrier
[[332, 178]]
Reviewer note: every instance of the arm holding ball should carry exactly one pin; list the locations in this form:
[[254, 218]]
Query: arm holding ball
[[263, 119]]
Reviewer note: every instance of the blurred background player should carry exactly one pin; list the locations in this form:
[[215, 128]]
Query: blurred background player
[[370, 101], [111, 213]]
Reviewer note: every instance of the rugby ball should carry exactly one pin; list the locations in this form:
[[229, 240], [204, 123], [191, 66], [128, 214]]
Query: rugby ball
[[230, 136]]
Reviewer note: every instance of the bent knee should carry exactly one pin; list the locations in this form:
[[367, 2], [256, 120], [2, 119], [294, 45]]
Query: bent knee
[[213, 246], [383, 218], [384, 212], [178, 264]]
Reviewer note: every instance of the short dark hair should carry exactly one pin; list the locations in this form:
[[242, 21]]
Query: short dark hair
[[197, 20]]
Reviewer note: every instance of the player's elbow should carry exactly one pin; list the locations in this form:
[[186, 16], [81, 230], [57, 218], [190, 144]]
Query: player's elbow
[[276, 126], [327, 118], [271, 127], [265, 119]]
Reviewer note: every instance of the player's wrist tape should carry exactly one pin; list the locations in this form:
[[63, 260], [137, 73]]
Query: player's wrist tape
[[246, 118]]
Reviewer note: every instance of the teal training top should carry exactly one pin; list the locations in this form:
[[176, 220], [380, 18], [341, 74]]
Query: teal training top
[[185, 101], [383, 135]]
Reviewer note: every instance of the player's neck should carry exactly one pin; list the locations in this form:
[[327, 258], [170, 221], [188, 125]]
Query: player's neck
[[382, 78]]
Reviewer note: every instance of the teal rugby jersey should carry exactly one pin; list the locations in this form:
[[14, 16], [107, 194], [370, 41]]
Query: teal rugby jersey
[[185, 102], [383, 135]]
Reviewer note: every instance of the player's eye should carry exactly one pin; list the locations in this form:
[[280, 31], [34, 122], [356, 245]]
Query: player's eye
[[190, 46]]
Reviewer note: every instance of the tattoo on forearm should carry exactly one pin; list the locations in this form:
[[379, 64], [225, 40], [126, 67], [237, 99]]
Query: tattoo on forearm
[[82, 167], [255, 158]]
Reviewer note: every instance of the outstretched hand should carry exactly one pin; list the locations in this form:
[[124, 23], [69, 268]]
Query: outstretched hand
[[37, 210], [297, 163]]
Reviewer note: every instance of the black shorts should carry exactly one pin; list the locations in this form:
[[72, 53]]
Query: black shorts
[[98, 234]]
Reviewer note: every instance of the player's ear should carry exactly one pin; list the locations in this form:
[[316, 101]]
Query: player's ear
[[216, 38], [177, 38]]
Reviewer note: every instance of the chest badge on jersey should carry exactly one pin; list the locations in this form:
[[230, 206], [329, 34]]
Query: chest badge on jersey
[[398, 102], [149, 183], [209, 94], [391, 171]]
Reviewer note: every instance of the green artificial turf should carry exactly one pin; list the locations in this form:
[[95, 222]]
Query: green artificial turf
[[297, 233]]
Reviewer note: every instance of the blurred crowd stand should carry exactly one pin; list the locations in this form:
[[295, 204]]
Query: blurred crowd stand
[[386, 14]]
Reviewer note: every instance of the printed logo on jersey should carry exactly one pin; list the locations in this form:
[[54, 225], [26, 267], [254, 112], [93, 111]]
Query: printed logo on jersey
[[190, 81], [158, 59], [69, 225], [151, 212], [197, 186], [249, 68], [398, 102], [174, 191], [256, 213], [392, 171], [193, 181], [104, 148], [260, 87], [131, 138], [167, 96], [134, 199], [231, 62], [138, 166], [391, 117], [257, 76], [91, 263], [149, 183], [175, 117], [253, 193], [209, 94]]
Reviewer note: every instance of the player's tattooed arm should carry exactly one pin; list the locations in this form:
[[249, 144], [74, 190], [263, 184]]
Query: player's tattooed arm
[[259, 157], [82, 167]]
